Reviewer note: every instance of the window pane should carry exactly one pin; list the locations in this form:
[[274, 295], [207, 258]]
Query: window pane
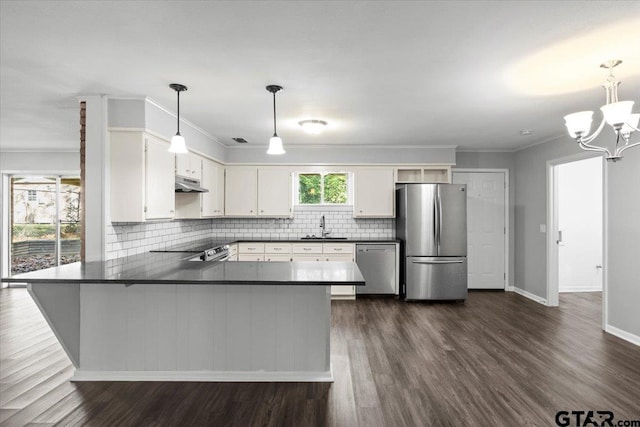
[[335, 188], [310, 189]]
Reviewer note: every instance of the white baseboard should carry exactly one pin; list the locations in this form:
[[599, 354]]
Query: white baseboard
[[529, 295], [580, 289], [510, 288], [203, 376], [627, 336]]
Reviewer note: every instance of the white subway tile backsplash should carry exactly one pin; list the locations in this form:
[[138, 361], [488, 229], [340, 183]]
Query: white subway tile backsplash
[[131, 238]]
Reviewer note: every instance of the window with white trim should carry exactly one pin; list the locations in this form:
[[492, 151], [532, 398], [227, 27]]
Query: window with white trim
[[323, 188]]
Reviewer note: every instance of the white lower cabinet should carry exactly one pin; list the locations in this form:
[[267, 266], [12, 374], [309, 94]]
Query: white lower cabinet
[[300, 252], [340, 252]]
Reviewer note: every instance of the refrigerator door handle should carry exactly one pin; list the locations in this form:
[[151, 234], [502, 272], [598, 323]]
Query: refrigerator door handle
[[456, 261], [439, 213]]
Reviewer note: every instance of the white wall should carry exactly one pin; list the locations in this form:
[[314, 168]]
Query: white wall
[[623, 272], [531, 212], [335, 154], [580, 220]]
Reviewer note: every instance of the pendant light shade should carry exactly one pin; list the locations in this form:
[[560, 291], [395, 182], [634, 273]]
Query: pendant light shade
[[178, 144], [275, 143], [275, 146]]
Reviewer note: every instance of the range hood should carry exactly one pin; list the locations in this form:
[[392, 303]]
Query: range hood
[[187, 185]]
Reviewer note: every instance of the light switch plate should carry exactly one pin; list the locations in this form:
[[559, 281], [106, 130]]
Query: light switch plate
[[543, 228]]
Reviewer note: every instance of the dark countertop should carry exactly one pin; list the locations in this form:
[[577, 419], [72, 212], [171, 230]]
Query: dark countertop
[[171, 268], [330, 240]]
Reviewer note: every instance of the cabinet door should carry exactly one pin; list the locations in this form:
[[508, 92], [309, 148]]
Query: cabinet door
[[374, 193], [195, 163], [220, 192], [341, 291], [189, 165], [159, 180], [274, 193], [211, 173], [240, 191]]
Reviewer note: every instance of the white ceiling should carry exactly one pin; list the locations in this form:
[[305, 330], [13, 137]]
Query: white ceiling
[[469, 73]]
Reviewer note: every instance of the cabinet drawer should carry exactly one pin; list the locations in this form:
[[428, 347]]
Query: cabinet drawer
[[307, 258], [338, 257], [306, 248], [251, 248], [277, 248], [251, 257], [338, 248], [277, 257]]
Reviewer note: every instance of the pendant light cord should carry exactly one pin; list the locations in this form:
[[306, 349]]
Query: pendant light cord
[[178, 92], [274, 115]]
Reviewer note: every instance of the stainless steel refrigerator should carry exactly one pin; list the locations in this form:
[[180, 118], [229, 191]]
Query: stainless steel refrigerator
[[431, 221]]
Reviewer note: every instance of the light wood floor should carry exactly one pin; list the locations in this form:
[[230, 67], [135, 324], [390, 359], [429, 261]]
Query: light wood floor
[[496, 360]]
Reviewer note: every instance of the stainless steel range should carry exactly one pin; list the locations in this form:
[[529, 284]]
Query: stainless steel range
[[207, 250]]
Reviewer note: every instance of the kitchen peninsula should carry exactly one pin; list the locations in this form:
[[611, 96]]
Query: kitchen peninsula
[[159, 317]]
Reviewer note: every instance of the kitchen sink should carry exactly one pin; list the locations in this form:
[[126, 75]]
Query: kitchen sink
[[322, 238]]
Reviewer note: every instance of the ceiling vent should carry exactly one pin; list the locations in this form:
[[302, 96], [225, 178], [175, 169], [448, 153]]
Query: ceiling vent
[[240, 140]]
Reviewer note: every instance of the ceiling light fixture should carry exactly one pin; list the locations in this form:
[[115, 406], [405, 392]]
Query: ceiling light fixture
[[178, 144], [616, 113], [275, 143], [313, 127]]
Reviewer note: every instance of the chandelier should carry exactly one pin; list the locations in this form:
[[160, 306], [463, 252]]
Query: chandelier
[[615, 113]]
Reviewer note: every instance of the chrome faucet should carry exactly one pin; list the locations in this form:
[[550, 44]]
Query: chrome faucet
[[323, 225]]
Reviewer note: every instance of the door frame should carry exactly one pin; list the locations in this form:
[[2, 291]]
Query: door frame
[[507, 223], [553, 298]]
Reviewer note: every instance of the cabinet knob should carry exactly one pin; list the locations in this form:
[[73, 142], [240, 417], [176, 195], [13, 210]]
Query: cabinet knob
[[251, 211], [261, 211]]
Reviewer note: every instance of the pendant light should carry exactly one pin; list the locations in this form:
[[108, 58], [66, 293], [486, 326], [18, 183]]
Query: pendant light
[[275, 143], [177, 141]]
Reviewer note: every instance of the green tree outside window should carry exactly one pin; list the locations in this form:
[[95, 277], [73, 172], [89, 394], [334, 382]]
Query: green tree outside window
[[316, 188]]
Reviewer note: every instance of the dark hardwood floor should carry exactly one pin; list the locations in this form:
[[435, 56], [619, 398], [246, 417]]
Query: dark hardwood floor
[[496, 360]]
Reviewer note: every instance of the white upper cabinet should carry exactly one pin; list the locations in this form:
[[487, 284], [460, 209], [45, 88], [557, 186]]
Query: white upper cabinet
[[189, 165], [374, 191], [241, 191], [275, 192], [425, 174], [160, 181], [213, 180], [142, 177]]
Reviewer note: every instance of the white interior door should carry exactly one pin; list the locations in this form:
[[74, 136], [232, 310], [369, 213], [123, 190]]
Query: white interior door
[[486, 228], [579, 231]]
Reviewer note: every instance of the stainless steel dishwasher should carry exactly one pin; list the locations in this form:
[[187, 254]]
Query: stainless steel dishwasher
[[378, 264]]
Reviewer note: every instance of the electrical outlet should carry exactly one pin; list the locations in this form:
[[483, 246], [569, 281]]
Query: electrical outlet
[[543, 228]]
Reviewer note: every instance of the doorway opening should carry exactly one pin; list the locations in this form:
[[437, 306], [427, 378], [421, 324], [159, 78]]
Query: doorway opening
[[575, 239], [44, 222]]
